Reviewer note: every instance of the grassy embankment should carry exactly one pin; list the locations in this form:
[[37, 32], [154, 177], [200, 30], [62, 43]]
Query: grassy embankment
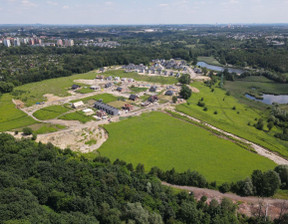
[[221, 114], [181, 146]]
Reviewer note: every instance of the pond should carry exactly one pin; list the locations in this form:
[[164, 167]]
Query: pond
[[218, 68], [270, 99]]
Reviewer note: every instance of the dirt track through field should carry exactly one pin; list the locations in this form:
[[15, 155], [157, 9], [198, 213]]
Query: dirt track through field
[[259, 149], [249, 206]]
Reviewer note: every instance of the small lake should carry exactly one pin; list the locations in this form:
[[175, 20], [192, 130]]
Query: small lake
[[218, 68], [270, 99]]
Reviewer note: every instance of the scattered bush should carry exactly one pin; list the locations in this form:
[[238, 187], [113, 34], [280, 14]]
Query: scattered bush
[[27, 131], [201, 104]]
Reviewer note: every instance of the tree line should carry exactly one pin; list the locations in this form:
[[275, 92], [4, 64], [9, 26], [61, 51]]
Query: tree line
[[42, 184]]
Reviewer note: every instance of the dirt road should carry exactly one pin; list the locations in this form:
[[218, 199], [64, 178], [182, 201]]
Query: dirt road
[[247, 205]]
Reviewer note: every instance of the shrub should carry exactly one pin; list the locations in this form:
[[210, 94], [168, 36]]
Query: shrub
[[215, 112], [205, 109], [224, 188], [34, 137], [201, 104], [234, 108], [27, 131]]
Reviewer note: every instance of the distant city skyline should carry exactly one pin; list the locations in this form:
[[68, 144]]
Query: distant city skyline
[[100, 12]]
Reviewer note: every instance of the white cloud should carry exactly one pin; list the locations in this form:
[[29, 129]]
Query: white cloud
[[108, 3], [52, 3], [28, 3], [66, 7], [163, 5]]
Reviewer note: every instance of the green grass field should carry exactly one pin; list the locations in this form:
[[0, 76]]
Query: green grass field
[[78, 116], [137, 89], [51, 112], [107, 98], [134, 75], [33, 92], [85, 90], [256, 85], [10, 116], [157, 139], [234, 121], [209, 60]]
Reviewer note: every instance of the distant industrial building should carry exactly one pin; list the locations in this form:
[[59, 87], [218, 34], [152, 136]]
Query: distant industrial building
[[107, 108]]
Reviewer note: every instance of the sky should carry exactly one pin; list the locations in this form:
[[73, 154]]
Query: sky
[[98, 12]]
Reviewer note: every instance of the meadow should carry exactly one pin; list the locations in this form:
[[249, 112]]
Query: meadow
[[227, 113], [106, 97], [78, 116], [10, 116], [137, 77], [33, 92], [209, 60], [181, 146], [51, 112], [255, 85]]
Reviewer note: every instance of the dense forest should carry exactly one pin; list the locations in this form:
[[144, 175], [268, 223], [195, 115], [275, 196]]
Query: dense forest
[[42, 184]]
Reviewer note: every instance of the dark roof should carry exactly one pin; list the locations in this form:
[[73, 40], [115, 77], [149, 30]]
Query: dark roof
[[152, 99], [75, 86], [109, 109], [133, 97], [169, 93], [153, 88]]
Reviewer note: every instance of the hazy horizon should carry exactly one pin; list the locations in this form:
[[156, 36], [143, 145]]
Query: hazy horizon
[[148, 12]]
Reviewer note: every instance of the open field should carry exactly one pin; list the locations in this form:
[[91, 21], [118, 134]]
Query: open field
[[234, 121], [85, 90], [10, 117], [256, 84], [209, 60], [78, 116], [137, 89], [42, 128], [145, 78], [51, 112], [33, 92], [182, 146], [107, 98]]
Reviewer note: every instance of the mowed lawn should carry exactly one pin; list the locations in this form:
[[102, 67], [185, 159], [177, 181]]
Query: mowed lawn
[[157, 139], [51, 112], [234, 121], [10, 116]]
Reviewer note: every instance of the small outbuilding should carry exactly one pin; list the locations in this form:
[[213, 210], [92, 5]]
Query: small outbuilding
[[74, 87], [78, 104], [133, 97], [169, 93], [153, 89], [153, 99], [108, 85]]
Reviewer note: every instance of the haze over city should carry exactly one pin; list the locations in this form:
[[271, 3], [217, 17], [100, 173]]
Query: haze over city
[[142, 12]]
